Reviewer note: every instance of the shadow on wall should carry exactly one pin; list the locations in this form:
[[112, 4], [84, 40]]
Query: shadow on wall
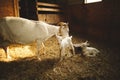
[[78, 18]]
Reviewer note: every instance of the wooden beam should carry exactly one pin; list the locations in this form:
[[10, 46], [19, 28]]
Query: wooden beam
[[49, 9], [47, 4], [16, 8]]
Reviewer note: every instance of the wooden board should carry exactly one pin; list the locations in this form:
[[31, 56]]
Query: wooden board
[[9, 8], [50, 18]]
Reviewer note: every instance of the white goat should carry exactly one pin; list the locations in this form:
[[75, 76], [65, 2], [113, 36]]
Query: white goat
[[88, 51], [16, 30], [65, 46]]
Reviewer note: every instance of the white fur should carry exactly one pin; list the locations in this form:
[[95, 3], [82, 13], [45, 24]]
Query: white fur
[[24, 31], [88, 51], [65, 46]]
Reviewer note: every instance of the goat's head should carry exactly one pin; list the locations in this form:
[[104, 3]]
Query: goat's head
[[85, 44], [63, 27]]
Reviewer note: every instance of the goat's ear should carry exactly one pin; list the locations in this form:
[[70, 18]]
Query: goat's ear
[[86, 41], [70, 36]]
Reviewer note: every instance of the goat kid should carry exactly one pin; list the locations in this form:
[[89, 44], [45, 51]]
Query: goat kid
[[88, 51], [65, 46]]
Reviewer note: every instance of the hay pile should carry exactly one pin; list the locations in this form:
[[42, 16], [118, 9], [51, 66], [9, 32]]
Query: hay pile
[[25, 65]]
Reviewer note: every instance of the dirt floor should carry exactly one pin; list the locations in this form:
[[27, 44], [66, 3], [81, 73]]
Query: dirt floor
[[25, 66]]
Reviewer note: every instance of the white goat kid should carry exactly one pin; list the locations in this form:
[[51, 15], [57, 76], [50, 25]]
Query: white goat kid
[[88, 51], [66, 46]]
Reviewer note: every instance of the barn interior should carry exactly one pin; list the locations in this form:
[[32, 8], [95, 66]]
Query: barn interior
[[96, 22]]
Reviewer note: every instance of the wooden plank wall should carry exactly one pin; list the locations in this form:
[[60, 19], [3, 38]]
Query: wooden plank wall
[[50, 12], [42, 10], [33, 9], [97, 20], [9, 8], [51, 18]]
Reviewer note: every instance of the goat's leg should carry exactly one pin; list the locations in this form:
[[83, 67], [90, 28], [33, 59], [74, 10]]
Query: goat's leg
[[44, 49], [5, 49], [73, 49], [6, 53], [38, 49], [62, 54]]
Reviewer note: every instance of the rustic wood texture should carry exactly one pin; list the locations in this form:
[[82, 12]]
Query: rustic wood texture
[[49, 9], [53, 18], [49, 12], [9, 8], [41, 6], [47, 4], [33, 9], [50, 18]]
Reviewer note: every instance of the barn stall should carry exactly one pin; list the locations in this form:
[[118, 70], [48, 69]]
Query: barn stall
[[96, 23]]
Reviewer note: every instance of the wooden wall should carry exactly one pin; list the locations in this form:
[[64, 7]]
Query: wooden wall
[[31, 10], [51, 18], [51, 11], [9, 8], [28, 9], [97, 20]]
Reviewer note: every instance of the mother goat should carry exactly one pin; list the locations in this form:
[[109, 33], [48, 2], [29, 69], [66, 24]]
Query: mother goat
[[16, 30]]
